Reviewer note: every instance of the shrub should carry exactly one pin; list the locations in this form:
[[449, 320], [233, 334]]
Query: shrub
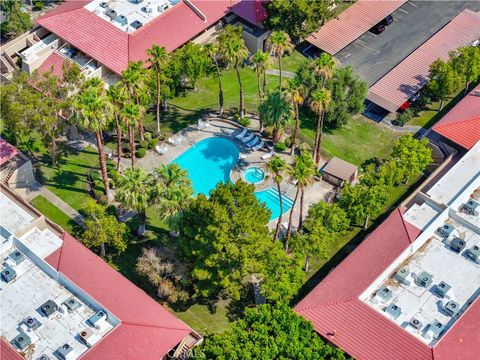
[[152, 143], [113, 174], [102, 199], [111, 183], [244, 122], [141, 152], [267, 132], [39, 5], [403, 117], [288, 142], [143, 144], [280, 147], [147, 135], [111, 210]]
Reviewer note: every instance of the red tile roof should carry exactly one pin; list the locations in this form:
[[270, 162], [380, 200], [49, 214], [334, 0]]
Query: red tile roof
[[462, 124], [351, 23], [408, 77], [53, 63], [114, 48], [7, 352], [146, 331], [7, 151], [338, 314], [253, 11]]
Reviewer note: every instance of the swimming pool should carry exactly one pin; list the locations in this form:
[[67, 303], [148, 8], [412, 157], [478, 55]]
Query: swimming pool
[[254, 175], [210, 161]]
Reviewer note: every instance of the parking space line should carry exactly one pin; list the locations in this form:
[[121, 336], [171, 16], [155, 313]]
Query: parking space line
[[406, 12], [412, 4]]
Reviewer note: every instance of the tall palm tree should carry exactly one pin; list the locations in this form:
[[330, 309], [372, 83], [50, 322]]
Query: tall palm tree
[[157, 57], [213, 50], [233, 49], [134, 83], [324, 66], [276, 167], [134, 191], [261, 60], [296, 97], [280, 43], [131, 115], [320, 103], [117, 98], [275, 111], [92, 113]]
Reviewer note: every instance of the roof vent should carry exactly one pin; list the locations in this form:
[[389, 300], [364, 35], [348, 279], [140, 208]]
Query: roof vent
[[473, 253], [72, 304], [32, 323], [111, 14], [16, 257], [476, 93], [476, 43], [457, 245], [136, 24], [21, 341], [435, 329], [442, 288], [147, 9], [66, 352], [43, 357], [98, 319], [8, 274], [446, 230], [88, 337], [49, 308], [163, 7], [122, 19], [384, 293], [393, 310], [424, 279], [415, 323], [471, 206], [401, 275], [451, 308], [104, 4]]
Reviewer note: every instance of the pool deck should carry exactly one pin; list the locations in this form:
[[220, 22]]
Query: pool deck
[[191, 135]]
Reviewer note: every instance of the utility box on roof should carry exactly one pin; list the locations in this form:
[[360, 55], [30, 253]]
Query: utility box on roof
[[471, 207], [401, 275], [66, 352], [424, 279], [451, 308], [16, 257], [8, 274], [98, 320], [445, 230], [49, 308], [435, 329], [21, 341], [384, 293], [442, 288], [457, 245], [393, 310], [473, 253]]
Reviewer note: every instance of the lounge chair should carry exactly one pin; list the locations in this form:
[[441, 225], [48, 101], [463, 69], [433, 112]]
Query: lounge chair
[[258, 146], [253, 142], [241, 134], [200, 124], [162, 150], [267, 156], [171, 141], [248, 138]]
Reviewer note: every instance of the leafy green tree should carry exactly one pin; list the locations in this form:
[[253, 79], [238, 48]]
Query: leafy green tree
[[324, 224], [102, 230], [466, 62], [213, 51], [444, 80], [320, 103], [270, 332], [195, 63], [261, 60], [295, 90], [276, 167], [17, 21], [117, 100], [411, 155], [134, 191], [92, 113], [276, 111], [234, 51], [131, 116], [157, 57], [298, 18], [280, 43]]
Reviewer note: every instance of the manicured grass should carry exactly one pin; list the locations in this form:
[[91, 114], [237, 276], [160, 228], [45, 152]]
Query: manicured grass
[[53, 213], [290, 62]]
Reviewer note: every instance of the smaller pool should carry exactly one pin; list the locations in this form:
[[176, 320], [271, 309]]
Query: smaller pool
[[254, 175], [271, 199]]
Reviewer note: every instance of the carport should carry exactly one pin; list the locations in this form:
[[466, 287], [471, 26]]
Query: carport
[[351, 23], [405, 80]]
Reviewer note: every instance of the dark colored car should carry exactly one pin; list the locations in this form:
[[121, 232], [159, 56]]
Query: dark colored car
[[388, 20], [377, 29]]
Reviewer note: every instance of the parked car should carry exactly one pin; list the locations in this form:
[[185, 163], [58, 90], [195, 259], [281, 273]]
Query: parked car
[[388, 20], [377, 29]]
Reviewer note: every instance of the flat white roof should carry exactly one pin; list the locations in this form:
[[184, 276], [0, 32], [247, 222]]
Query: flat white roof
[[421, 215], [13, 217]]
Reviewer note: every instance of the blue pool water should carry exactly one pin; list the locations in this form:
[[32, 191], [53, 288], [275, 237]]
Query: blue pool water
[[211, 160], [254, 175]]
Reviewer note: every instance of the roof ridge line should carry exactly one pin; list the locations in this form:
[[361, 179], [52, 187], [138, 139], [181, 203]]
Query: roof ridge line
[[326, 304], [441, 126], [153, 326], [404, 225]]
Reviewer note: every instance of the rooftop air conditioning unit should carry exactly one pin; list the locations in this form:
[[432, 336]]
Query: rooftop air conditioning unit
[[442, 288], [401, 275], [16, 257], [163, 6], [98, 319], [8, 274], [435, 329], [457, 245], [446, 230], [476, 93], [43, 357], [147, 9], [49, 308], [393, 310], [21, 341], [111, 14], [66, 352], [88, 337], [32, 323], [451, 308], [136, 24], [104, 4], [415, 323], [122, 19], [476, 43], [72, 304], [473, 253], [424, 279], [471, 207], [384, 293]]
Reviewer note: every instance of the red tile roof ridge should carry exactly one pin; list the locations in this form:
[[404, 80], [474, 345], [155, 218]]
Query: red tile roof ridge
[[444, 125], [331, 303], [154, 326], [402, 210], [149, 24], [67, 6]]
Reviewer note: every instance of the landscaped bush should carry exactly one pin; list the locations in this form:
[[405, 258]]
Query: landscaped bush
[[280, 147], [288, 142], [141, 152], [267, 132], [143, 144], [39, 5], [113, 174], [126, 150], [147, 135], [111, 183], [152, 143], [404, 117], [111, 210], [244, 122]]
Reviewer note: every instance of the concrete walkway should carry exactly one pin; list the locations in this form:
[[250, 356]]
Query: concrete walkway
[[286, 74]]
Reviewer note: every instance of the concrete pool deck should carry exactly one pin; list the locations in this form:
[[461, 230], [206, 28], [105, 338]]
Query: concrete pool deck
[[191, 135]]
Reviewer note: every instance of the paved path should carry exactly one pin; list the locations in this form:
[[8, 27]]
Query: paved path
[[286, 74], [403, 129]]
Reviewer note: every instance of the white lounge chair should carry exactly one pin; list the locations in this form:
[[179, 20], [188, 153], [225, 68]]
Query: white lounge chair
[[253, 142], [258, 146], [267, 156], [171, 141], [200, 124], [162, 150], [248, 138], [241, 134]]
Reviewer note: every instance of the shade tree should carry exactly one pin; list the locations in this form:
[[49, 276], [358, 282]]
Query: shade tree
[[276, 111]]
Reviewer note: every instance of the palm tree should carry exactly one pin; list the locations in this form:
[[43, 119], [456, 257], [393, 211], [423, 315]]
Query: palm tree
[[134, 191], [117, 99], [135, 85], [324, 66], [320, 103], [212, 50], [92, 109], [233, 49], [275, 111], [261, 60], [296, 97], [276, 167], [131, 116], [158, 58], [280, 43]]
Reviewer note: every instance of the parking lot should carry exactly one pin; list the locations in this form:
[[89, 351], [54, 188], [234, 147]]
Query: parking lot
[[372, 56]]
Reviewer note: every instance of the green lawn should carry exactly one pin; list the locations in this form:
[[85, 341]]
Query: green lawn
[[53, 213], [290, 62]]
